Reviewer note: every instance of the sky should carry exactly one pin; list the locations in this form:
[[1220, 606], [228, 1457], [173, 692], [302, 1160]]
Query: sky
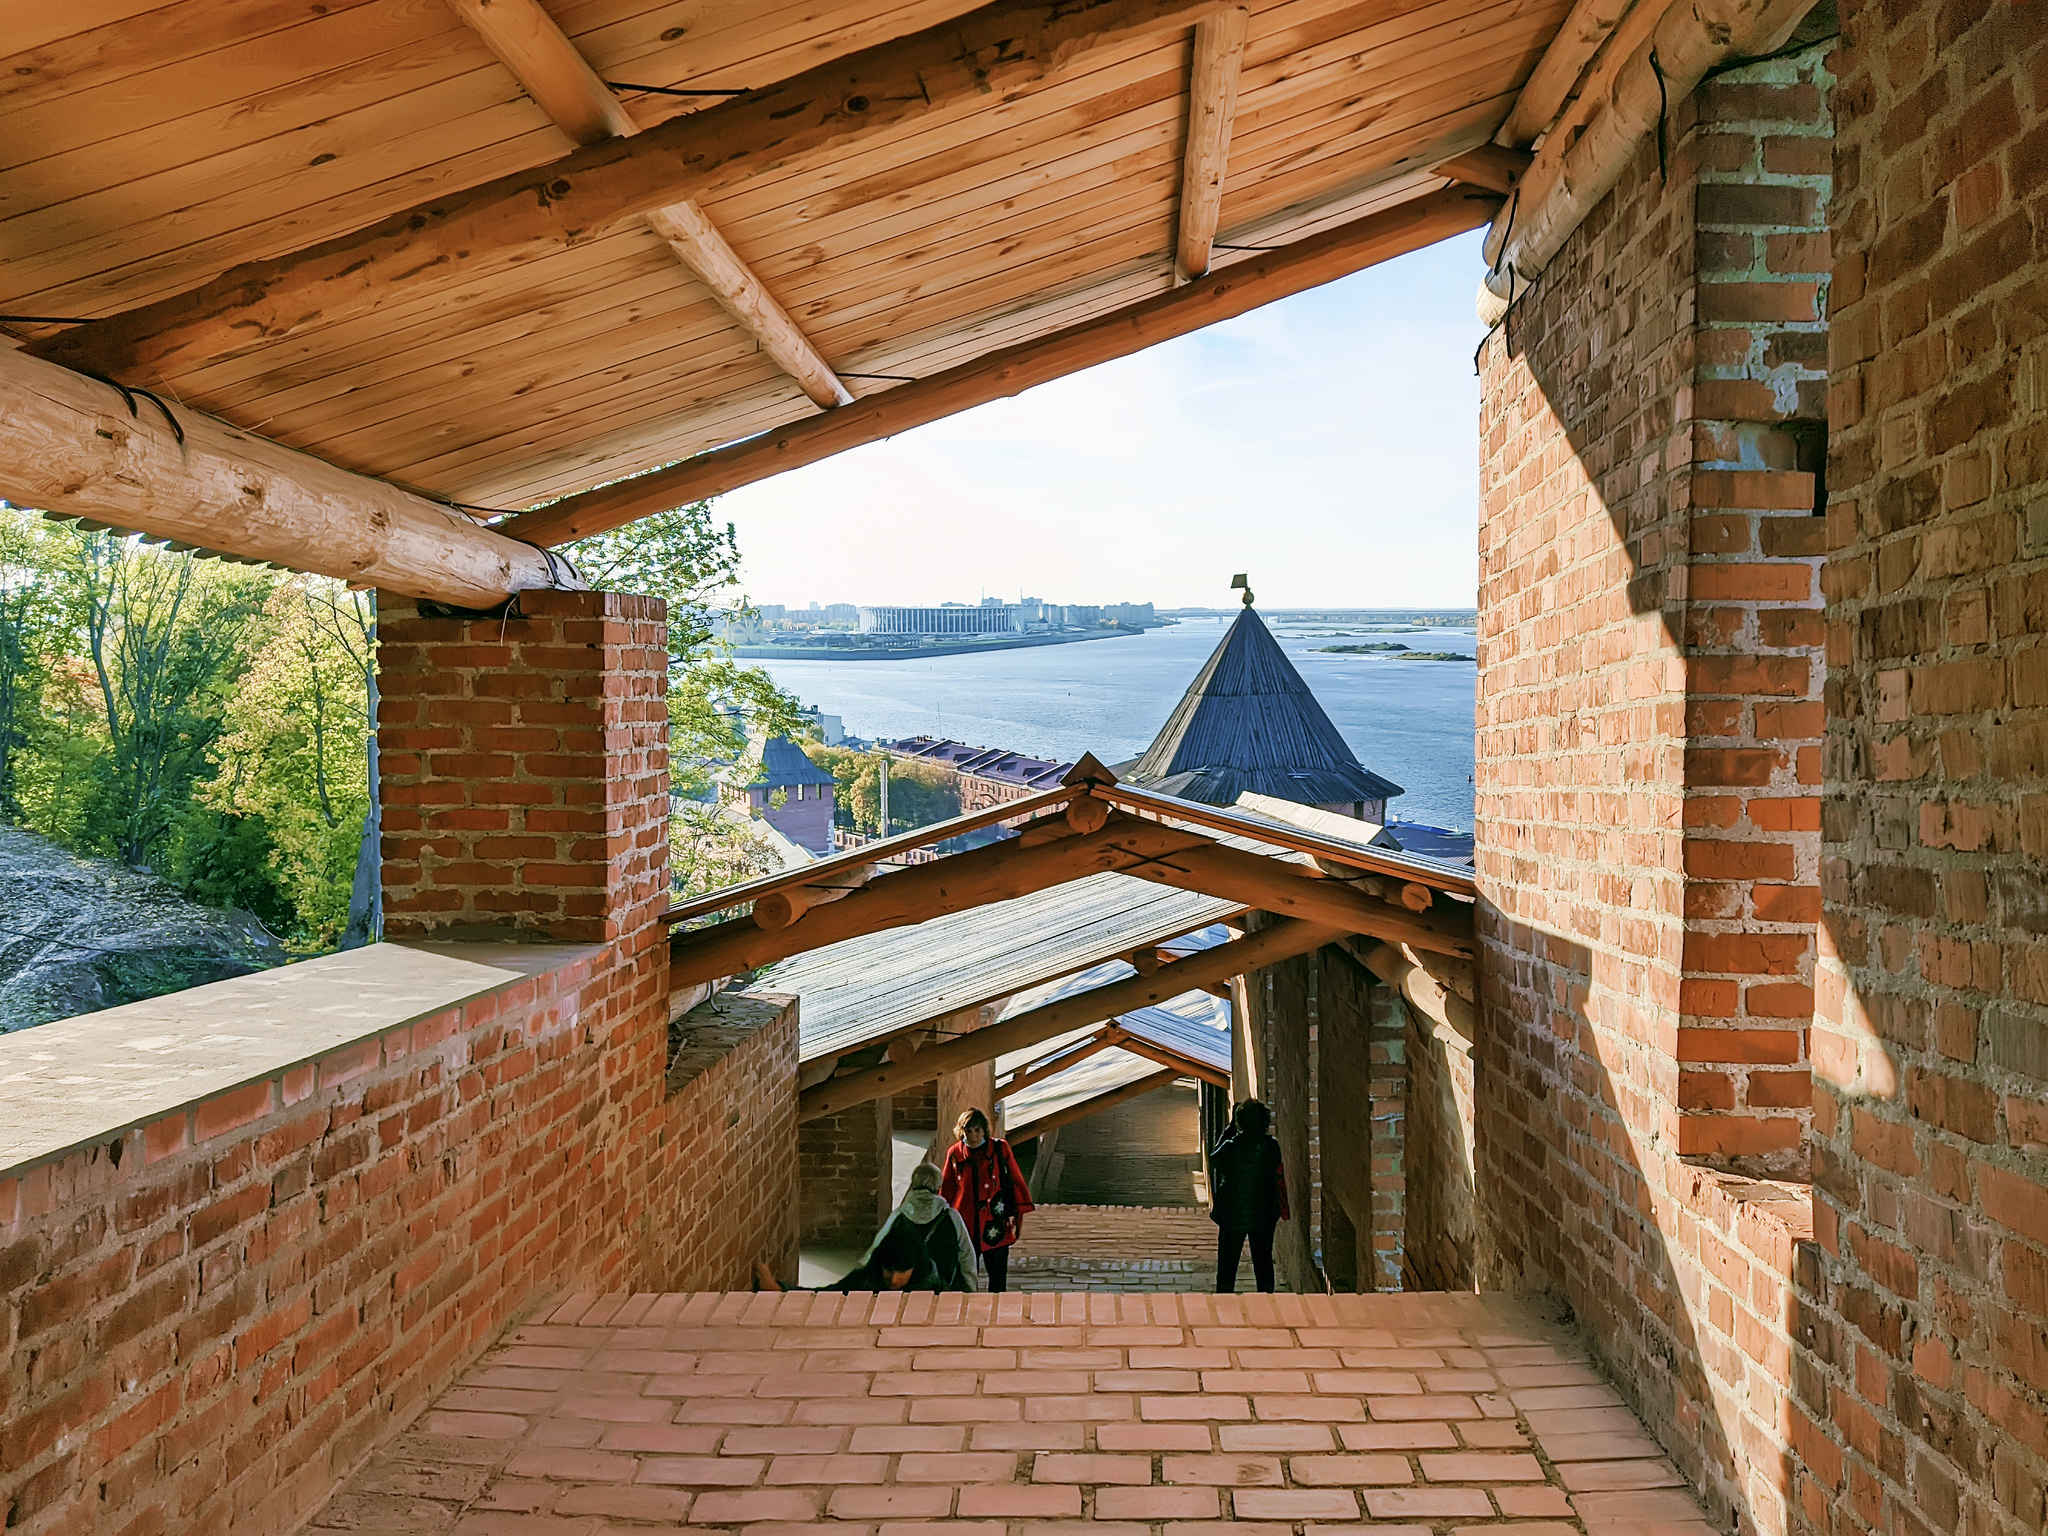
[[1325, 444]]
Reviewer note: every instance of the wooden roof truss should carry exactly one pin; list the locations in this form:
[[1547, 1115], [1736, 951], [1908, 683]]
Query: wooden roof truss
[[432, 246]]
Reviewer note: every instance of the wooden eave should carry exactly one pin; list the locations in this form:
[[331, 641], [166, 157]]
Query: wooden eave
[[147, 148]]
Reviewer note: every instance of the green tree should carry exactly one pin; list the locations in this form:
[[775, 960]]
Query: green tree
[[163, 633], [716, 705], [919, 793], [291, 753], [31, 634]]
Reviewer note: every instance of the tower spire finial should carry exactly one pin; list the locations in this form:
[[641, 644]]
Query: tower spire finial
[[1244, 581]]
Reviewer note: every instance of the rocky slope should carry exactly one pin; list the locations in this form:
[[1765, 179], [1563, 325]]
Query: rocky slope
[[80, 934]]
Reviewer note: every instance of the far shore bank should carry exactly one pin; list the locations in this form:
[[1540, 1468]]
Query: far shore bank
[[915, 652]]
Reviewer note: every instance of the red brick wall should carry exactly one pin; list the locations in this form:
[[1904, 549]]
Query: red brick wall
[[1436, 1170], [844, 1175], [1648, 728], [1924, 1405], [208, 1320], [203, 1334], [524, 763]]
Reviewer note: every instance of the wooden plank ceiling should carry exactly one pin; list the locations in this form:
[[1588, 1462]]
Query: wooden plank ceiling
[[148, 147]]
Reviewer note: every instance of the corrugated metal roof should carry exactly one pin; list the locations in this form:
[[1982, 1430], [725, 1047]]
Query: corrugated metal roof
[[1102, 1073], [1195, 1025], [865, 988], [1249, 722]]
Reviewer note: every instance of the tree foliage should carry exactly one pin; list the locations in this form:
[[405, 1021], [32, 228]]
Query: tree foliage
[[919, 793], [211, 721]]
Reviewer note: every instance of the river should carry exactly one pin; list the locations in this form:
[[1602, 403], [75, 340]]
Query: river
[[1410, 721]]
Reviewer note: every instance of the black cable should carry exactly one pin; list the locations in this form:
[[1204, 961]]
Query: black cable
[[1663, 113], [1222, 246], [898, 378], [44, 320], [670, 90]]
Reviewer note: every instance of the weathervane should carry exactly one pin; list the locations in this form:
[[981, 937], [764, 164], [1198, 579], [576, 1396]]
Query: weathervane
[[1244, 581]]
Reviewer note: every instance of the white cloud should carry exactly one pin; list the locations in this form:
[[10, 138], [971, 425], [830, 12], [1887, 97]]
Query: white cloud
[[1325, 443]]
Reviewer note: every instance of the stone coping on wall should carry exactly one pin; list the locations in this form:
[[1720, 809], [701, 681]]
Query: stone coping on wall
[[79, 1081], [716, 1027]]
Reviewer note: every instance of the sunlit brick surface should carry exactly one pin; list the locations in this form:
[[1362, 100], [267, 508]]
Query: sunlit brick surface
[[1424, 1415]]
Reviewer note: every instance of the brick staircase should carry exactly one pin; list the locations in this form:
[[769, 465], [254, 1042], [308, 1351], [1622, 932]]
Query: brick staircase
[[1425, 1415]]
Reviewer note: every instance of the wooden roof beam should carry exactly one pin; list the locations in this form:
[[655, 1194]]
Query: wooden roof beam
[[1212, 108], [1275, 885], [555, 74], [81, 448], [998, 872], [1186, 1066], [830, 111], [1222, 295], [1034, 1073], [1100, 1102], [1270, 945]]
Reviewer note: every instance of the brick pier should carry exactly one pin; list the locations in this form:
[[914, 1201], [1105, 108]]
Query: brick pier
[[1182, 1415]]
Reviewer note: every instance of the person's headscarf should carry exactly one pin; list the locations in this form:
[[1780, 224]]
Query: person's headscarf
[[922, 1203]]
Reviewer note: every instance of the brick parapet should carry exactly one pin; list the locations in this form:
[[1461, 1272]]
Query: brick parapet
[[524, 765], [1758, 140], [209, 1319], [1924, 1404]]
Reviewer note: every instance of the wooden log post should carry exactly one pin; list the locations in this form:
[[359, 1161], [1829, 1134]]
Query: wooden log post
[[970, 1087], [1212, 109], [1293, 1020], [75, 447], [1345, 1110]]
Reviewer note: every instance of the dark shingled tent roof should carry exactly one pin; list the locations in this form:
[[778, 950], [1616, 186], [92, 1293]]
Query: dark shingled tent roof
[[784, 764], [1248, 722]]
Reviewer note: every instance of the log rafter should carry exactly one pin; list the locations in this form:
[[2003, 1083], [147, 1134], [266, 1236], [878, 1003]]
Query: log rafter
[[1212, 109], [1004, 46], [73, 450], [1222, 295], [561, 82], [1278, 941]]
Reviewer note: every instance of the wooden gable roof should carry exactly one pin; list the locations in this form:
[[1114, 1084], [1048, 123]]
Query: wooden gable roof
[[209, 181]]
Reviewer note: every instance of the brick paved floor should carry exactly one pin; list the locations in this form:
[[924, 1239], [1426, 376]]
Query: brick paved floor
[[1025, 1415], [1118, 1248]]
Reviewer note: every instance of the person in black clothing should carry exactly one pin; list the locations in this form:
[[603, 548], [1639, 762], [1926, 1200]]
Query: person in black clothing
[[1247, 1195], [898, 1263]]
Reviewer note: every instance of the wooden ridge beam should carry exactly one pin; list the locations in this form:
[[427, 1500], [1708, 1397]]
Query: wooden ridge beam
[[1187, 1066], [1100, 1102], [1283, 939], [1276, 886], [562, 83], [999, 872], [831, 110], [1222, 295], [1212, 108], [1052, 1066], [76, 448]]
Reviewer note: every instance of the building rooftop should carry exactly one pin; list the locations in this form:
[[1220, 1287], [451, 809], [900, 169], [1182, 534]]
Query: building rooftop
[[784, 764], [984, 762], [1248, 723]]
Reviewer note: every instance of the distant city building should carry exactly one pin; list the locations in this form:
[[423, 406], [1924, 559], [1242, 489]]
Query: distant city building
[[1130, 613], [991, 618], [807, 792], [771, 611], [830, 728], [988, 776]]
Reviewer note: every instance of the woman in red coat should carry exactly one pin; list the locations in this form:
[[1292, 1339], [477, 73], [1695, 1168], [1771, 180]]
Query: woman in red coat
[[983, 1183]]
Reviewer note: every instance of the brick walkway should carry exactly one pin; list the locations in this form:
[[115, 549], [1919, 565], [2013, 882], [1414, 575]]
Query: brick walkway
[[1118, 1248], [801, 1415]]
